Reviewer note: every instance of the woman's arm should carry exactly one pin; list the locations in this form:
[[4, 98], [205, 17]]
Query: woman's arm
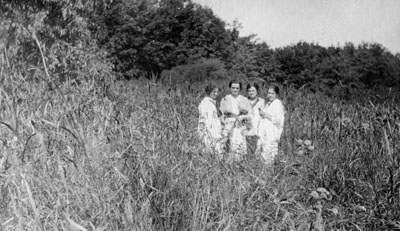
[[224, 105], [274, 113], [263, 113], [245, 106], [277, 113], [205, 115]]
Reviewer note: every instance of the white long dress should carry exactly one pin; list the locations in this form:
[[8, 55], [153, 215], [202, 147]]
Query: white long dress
[[257, 104], [252, 133], [270, 130], [233, 130], [209, 128]]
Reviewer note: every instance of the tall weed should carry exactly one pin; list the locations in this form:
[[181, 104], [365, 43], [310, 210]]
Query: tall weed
[[126, 157]]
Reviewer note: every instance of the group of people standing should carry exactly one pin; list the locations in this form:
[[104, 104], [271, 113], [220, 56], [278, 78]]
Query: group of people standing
[[241, 125]]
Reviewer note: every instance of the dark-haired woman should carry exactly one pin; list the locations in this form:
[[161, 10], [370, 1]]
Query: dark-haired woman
[[256, 103], [271, 125], [209, 128], [235, 108]]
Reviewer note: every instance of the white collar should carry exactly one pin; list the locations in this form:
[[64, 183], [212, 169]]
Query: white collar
[[211, 99]]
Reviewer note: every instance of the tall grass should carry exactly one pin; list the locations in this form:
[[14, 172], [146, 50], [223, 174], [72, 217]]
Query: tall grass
[[128, 159]]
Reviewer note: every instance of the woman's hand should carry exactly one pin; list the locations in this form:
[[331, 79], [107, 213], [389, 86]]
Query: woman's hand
[[202, 127], [262, 113], [219, 113], [265, 115], [243, 112]]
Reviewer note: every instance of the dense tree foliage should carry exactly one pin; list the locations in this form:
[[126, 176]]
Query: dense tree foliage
[[51, 40], [69, 39], [347, 69], [152, 36]]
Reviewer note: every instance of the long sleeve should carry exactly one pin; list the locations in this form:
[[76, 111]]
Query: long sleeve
[[271, 127], [224, 105], [205, 115], [209, 123], [259, 104], [255, 117], [209, 128], [277, 113], [244, 104], [230, 105]]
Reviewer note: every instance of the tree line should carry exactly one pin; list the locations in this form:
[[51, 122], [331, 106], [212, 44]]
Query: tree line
[[77, 39]]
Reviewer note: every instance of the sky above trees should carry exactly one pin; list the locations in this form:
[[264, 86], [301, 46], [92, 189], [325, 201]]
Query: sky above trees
[[281, 23]]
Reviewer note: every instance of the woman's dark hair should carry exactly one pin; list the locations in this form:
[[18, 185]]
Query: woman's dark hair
[[235, 81], [210, 87], [250, 85], [275, 88]]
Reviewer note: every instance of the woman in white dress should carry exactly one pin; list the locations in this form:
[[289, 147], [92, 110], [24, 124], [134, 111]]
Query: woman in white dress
[[209, 128], [256, 103], [236, 109], [271, 125]]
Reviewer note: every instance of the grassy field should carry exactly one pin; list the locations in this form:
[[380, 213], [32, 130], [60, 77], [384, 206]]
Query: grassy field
[[78, 157]]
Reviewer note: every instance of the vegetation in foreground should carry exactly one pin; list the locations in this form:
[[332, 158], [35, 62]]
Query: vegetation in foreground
[[74, 159], [80, 151]]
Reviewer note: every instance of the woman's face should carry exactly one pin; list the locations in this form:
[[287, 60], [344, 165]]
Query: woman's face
[[235, 89], [252, 92], [214, 93], [271, 94]]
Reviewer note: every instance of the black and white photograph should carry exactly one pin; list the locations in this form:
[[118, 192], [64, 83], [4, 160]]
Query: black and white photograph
[[200, 115]]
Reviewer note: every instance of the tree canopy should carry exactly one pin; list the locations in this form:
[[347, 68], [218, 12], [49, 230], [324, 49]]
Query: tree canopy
[[136, 38]]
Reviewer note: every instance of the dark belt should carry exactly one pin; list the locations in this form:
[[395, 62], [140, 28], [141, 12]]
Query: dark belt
[[230, 115]]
